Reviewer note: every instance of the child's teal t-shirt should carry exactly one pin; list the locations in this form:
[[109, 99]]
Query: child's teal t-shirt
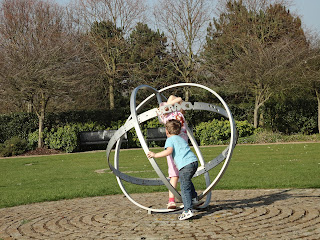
[[182, 153]]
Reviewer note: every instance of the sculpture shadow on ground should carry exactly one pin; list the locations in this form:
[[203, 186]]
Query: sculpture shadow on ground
[[255, 202]]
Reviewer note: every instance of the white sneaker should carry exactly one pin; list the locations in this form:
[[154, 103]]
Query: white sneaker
[[186, 215]]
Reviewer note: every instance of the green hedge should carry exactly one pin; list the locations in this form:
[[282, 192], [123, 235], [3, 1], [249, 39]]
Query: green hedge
[[219, 131], [64, 138], [22, 124], [292, 116], [286, 116], [17, 125], [62, 128]]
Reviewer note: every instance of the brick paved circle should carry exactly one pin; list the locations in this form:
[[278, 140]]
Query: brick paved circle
[[238, 214]]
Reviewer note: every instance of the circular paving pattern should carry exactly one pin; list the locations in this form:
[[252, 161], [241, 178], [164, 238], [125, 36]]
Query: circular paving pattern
[[234, 214]]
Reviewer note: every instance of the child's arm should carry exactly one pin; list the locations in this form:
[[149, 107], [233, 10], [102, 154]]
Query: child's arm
[[164, 153], [173, 99]]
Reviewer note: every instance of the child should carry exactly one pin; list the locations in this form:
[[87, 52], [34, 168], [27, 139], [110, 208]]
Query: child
[[172, 169], [186, 161]]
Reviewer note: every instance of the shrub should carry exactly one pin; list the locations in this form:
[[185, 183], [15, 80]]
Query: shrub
[[218, 131], [244, 128], [291, 115], [33, 139], [13, 146], [67, 137], [17, 124], [64, 138], [212, 132], [1, 149], [22, 124]]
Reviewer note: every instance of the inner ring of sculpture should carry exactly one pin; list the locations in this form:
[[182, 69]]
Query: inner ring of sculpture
[[134, 121]]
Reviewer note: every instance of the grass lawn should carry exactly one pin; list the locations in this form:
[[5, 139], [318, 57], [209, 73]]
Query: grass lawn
[[25, 180]]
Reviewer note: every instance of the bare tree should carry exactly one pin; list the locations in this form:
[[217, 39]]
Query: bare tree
[[124, 14], [266, 70], [38, 55], [107, 23], [184, 22]]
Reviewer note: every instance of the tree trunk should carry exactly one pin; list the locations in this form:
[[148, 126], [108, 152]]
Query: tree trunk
[[261, 119], [41, 124], [256, 115], [186, 93], [186, 89], [41, 116], [29, 107], [111, 92], [318, 98]]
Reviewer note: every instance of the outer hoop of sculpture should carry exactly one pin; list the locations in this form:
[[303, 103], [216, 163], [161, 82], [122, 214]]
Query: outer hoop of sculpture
[[134, 121]]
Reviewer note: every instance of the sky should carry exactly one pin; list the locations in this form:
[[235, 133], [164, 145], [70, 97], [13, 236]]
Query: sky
[[308, 10]]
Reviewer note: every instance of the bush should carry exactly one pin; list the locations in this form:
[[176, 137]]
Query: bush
[[13, 146], [64, 138], [17, 124], [1, 149], [22, 124], [218, 131], [33, 138], [263, 136], [291, 116], [67, 137]]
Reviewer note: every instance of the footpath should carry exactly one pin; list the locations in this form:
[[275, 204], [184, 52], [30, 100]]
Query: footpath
[[231, 214]]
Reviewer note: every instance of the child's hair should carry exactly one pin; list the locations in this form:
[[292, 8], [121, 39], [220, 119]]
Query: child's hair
[[173, 126]]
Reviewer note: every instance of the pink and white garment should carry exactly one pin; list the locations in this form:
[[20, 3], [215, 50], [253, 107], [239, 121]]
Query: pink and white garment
[[172, 169]]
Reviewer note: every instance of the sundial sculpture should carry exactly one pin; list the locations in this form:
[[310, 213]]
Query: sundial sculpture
[[134, 121]]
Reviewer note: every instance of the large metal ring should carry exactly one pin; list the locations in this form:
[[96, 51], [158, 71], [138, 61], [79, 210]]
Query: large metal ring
[[134, 121]]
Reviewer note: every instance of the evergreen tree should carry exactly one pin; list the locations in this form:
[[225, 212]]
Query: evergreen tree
[[149, 58], [254, 50]]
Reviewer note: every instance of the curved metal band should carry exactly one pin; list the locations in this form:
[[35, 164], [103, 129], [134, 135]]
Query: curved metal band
[[134, 120]]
